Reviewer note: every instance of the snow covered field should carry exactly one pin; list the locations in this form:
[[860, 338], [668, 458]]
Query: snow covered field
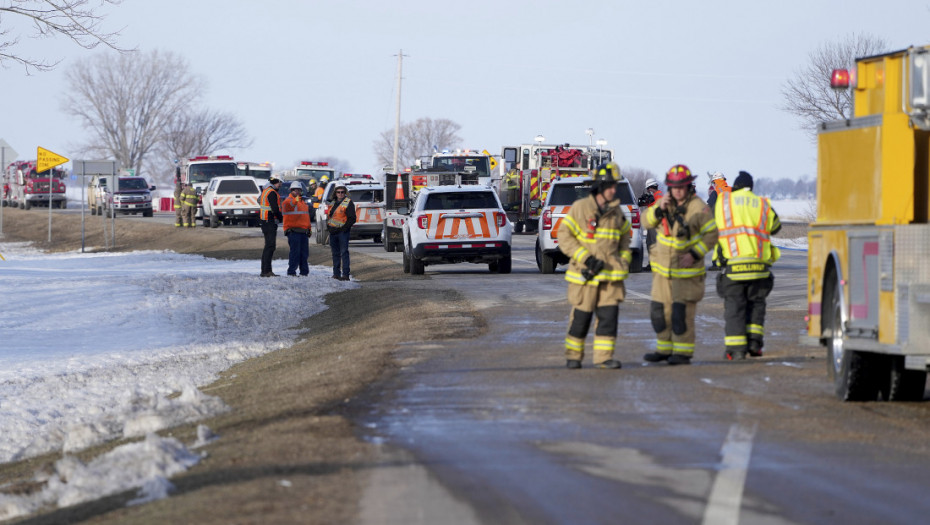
[[92, 345]]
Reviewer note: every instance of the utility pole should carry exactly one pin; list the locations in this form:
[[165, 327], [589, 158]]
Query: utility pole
[[400, 67]]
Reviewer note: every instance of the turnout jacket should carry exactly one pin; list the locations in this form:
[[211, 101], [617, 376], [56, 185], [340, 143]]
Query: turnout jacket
[[689, 227], [585, 231]]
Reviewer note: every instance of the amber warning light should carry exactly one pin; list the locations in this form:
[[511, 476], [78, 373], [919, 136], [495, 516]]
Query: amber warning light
[[839, 79]]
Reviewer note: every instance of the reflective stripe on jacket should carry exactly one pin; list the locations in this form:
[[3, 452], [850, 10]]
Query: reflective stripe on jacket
[[689, 227], [296, 213], [586, 231], [339, 215], [746, 223], [268, 204], [189, 197]]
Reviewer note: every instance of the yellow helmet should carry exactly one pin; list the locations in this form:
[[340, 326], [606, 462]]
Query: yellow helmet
[[312, 182], [324, 179]]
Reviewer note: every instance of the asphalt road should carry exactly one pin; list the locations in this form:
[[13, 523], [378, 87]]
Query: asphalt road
[[496, 430]]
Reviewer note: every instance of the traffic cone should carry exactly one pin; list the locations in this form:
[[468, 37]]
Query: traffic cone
[[399, 192]]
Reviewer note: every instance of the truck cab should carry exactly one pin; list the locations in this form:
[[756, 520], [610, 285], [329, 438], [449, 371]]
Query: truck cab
[[123, 194], [200, 170]]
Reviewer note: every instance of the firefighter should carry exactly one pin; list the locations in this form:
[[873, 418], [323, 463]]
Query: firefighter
[[318, 194], [685, 233], [178, 215], [746, 223], [512, 190], [269, 213], [312, 199], [296, 213], [595, 235], [189, 202]]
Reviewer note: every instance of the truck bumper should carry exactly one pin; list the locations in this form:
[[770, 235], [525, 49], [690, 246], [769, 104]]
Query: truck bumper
[[471, 251]]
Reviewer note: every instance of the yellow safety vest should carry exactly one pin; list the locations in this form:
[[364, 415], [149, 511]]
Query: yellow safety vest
[[745, 222]]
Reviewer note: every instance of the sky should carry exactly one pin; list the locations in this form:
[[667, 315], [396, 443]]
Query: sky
[[663, 82], [70, 377]]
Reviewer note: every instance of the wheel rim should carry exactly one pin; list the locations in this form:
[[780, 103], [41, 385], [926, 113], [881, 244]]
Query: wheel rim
[[836, 338]]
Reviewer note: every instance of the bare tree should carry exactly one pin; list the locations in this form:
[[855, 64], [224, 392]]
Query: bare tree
[[808, 94], [74, 19], [127, 102], [416, 139], [637, 178], [202, 132]]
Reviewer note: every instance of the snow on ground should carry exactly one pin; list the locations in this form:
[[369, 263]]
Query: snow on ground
[[92, 345]]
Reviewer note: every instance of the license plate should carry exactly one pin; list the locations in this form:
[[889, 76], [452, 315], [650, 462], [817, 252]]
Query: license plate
[[238, 212]]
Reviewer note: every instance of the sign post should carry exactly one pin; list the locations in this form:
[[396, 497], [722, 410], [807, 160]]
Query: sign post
[[86, 168], [45, 161], [6, 152]]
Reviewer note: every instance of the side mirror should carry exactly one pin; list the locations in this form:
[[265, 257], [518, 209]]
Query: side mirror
[[151, 188]]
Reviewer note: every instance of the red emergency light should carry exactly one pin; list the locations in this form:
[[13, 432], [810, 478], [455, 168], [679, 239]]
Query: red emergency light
[[308, 163], [223, 157], [839, 79]]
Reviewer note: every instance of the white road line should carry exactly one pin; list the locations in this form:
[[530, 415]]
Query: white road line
[[727, 493]]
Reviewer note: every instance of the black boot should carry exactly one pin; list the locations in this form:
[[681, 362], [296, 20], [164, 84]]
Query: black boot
[[573, 364], [611, 363], [679, 359], [755, 348], [656, 357]]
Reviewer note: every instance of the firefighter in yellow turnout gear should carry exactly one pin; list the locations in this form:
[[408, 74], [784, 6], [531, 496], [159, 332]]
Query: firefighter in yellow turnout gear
[[189, 201], [685, 233], [746, 223], [595, 235]]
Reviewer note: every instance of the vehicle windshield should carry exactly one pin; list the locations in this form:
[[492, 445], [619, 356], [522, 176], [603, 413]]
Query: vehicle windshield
[[137, 183], [204, 172], [567, 194], [229, 187], [256, 173], [460, 201], [366, 195], [56, 174], [303, 174], [459, 164]]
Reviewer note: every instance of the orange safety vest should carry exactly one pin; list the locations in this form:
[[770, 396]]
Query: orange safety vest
[[265, 213], [339, 216], [319, 194], [296, 213], [720, 186]]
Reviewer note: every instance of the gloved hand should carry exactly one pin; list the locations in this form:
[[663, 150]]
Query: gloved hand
[[593, 266]]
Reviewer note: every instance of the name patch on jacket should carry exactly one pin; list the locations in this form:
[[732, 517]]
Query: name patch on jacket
[[746, 267]]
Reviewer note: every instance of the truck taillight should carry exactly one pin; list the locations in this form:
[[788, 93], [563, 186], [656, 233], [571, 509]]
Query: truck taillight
[[214, 201], [423, 221], [326, 209], [500, 219], [547, 219], [635, 217]]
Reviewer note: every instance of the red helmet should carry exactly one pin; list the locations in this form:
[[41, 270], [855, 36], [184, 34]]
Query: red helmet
[[678, 175]]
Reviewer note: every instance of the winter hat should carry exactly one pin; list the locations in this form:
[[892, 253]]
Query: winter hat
[[743, 180]]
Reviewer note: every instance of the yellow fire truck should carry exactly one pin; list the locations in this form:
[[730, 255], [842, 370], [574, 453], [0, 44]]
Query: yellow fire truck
[[869, 249]]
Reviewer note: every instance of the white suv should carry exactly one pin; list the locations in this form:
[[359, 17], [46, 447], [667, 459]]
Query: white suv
[[231, 200], [562, 194], [453, 224]]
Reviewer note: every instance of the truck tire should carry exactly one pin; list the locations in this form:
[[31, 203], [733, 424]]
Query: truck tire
[[377, 239], [147, 213], [505, 265], [214, 221], [406, 262], [518, 227], [93, 210], [416, 266], [855, 373], [546, 263], [904, 384], [27, 205], [636, 264]]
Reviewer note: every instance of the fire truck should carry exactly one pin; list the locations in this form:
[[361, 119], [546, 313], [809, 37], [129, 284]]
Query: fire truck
[[527, 170], [28, 188], [869, 248], [200, 170], [307, 170]]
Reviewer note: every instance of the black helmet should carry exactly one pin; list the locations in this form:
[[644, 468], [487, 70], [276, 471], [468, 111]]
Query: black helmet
[[605, 176]]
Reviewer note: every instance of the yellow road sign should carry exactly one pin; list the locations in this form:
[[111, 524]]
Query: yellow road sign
[[491, 159], [47, 160]]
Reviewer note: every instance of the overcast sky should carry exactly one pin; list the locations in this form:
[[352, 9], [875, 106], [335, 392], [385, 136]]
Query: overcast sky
[[663, 82]]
